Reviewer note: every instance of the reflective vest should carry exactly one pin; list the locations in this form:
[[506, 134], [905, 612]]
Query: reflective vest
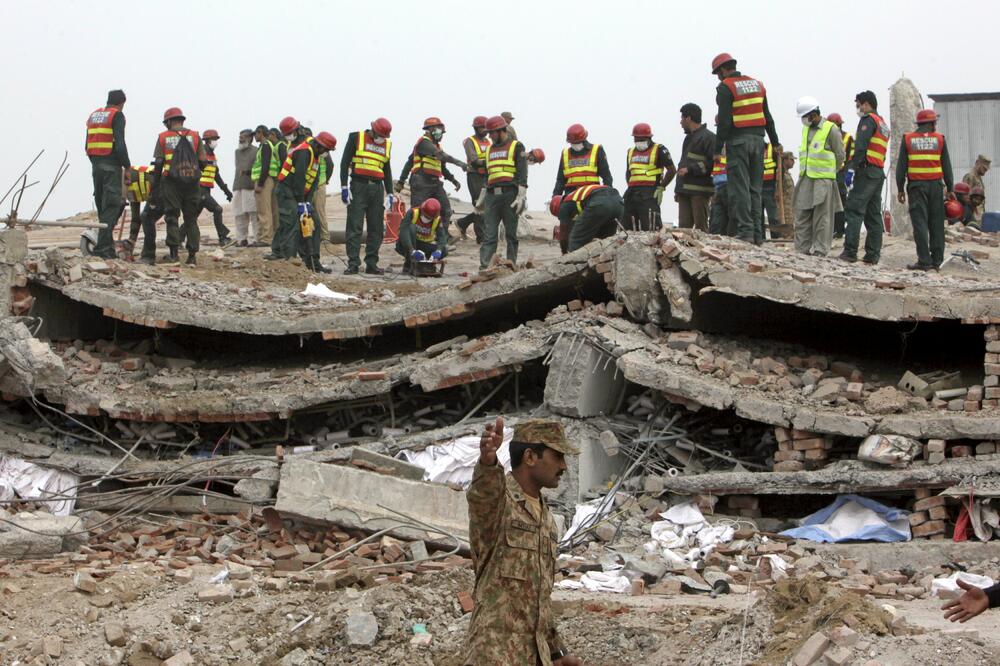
[[815, 160], [500, 164], [480, 146], [770, 166], [642, 167], [312, 170], [580, 169], [924, 152], [848, 147], [879, 144], [719, 166], [426, 231], [370, 158], [748, 101], [100, 136], [139, 185], [428, 164], [168, 142], [581, 194], [272, 167], [208, 171]]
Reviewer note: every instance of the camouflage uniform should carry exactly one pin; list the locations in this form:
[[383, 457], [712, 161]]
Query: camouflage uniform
[[973, 179], [787, 213], [514, 553]]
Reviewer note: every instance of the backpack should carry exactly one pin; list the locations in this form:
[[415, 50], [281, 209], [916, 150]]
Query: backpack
[[184, 163]]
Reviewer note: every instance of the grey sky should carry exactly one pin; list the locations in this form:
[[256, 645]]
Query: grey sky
[[337, 65]]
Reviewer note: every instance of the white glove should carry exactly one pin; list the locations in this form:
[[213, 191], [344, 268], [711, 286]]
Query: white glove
[[518, 204], [480, 201]]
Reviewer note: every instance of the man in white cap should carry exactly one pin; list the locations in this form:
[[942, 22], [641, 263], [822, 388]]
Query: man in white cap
[[817, 199]]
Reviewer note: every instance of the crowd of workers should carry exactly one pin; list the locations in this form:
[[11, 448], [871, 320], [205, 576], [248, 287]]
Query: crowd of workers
[[727, 182]]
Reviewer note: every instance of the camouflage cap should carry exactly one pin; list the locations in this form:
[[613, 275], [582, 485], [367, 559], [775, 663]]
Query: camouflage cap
[[544, 431], [983, 158], [788, 154]]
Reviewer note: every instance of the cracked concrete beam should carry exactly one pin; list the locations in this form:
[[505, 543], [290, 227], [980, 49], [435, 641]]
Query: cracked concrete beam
[[27, 358]]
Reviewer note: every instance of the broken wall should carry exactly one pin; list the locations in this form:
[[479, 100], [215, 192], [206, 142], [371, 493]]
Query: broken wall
[[904, 102]]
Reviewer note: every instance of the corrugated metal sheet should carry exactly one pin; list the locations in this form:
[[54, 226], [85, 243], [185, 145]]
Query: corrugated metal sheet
[[971, 128]]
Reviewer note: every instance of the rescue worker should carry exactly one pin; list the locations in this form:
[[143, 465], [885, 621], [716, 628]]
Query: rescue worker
[[649, 169], [179, 190], [210, 175], [150, 215], [105, 146], [744, 119], [244, 201], [421, 234], [263, 174], [296, 189], [513, 540], [583, 163], [367, 160], [284, 244], [962, 191], [923, 165], [768, 191], [319, 190], [821, 155], [838, 219], [694, 189], [720, 222], [977, 197], [509, 118], [975, 176], [865, 177], [139, 188], [476, 147], [428, 163], [590, 212], [503, 199]]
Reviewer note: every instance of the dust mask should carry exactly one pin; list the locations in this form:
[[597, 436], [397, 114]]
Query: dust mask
[[425, 219], [576, 146], [861, 114], [290, 137], [211, 143], [437, 134], [805, 121], [379, 139], [641, 145]]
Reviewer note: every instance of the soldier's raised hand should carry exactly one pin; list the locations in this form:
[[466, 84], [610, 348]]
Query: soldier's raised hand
[[490, 441]]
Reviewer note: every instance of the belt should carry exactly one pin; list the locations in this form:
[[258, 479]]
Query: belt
[[498, 189], [367, 179]]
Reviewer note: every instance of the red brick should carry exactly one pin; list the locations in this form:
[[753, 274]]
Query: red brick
[[928, 503], [815, 443], [938, 513], [466, 601], [929, 528]]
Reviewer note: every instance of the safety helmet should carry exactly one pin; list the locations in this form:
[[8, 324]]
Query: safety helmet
[[538, 154], [327, 140], [806, 105], [576, 133], [478, 121], [720, 60], [953, 210], [382, 127], [430, 208], [496, 123], [926, 116], [642, 131], [288, 125], [433, 121], [836, 118], [962, 188], [171, 113], [555, 203], [209, 134]]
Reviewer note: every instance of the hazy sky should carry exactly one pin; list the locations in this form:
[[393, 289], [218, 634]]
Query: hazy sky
[[338, 65]]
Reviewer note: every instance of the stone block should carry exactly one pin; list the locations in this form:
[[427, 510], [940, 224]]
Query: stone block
[[214, 594], [812, 650], [789, 466], [114, 634], [918, 518], [929, 502], [930, 528]]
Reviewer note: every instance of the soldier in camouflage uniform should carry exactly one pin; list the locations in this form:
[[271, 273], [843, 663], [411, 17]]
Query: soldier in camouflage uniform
[[975, 177], [513, 539]]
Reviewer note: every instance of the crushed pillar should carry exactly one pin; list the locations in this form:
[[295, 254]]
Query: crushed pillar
[[904, 102], [583, 380]]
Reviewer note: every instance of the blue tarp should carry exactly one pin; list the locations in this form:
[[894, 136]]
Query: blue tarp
[[850, 518]]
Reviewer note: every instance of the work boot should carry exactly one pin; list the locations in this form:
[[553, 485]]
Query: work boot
[[870, 261], [242, 243], [919, 267], [407, 265], [351, 270], [149, 261], [848, 258], [172, 257], [272, 257], [374, 270], [320, 268], [191, 261]]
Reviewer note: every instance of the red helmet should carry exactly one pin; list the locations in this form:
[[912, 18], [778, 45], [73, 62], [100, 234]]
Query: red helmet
[[171, 113], [288, 125], [720, 60], [209, 134], [836, 118], [926, 116], [576, 133], [953, 210], [538, 154], [382, 127], [479, 121], [962, 188], [327, 140], [433, 121], [495, 123], [642, 130], [430, 208], [977, 192], [555, 203]]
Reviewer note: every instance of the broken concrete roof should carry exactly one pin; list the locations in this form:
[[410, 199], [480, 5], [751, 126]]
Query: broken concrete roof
[[129, 293]]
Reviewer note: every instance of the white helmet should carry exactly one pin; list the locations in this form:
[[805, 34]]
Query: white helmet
[[806, 105]]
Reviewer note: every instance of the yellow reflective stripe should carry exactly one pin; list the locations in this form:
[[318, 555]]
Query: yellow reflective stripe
[[926, 170], [100, 130], [747, 116], [99, 144], [924, 158], [748, 101], [879, 142]]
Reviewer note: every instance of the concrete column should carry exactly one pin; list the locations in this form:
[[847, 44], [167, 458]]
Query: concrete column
[[583, 381], [13, 249]]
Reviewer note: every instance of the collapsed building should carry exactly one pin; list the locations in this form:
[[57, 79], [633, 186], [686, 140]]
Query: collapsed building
[[744, 378]]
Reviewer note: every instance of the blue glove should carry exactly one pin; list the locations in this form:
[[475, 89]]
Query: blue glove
[[436, 255], [305, 207], [345, 194], [418, 255], [849, 177], [389, 201]]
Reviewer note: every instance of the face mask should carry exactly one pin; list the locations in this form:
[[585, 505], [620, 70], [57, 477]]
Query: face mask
[[641, 145], [289, 137], [576, 146], [211, 143], [425, 219], [805, 121], [437, 134], [379, 139], [861, 114]]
